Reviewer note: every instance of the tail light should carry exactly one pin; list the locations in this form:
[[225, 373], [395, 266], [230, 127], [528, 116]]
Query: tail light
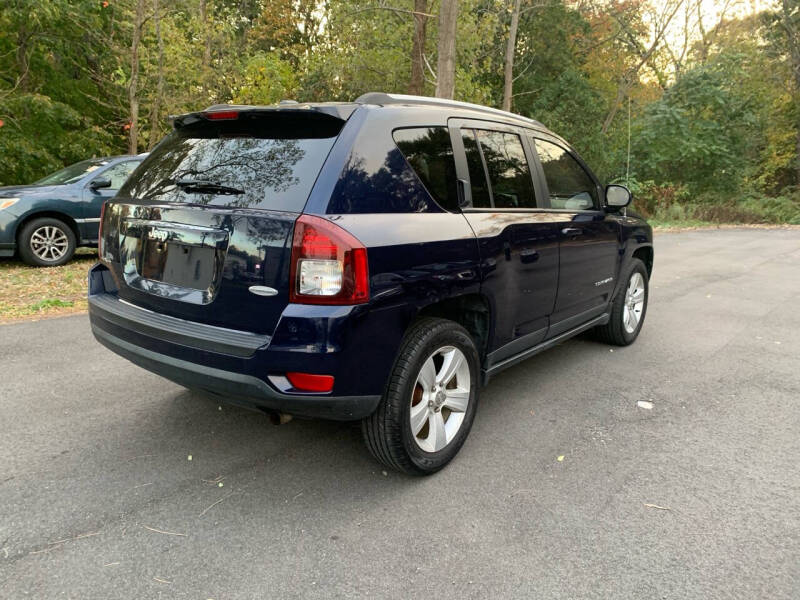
[[221, 115], [329, 266], [100, 249]]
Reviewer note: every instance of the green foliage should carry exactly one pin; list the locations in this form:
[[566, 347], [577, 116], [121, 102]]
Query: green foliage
[[267, 79], [41, 135], [716, 138], [697, 133]]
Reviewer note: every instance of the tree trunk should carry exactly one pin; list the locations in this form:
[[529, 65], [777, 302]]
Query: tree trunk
[[793, 45], [446, 64], [416, 85], [206, 64], [22, 60], [511, 46], [133, 87], [155, 109]]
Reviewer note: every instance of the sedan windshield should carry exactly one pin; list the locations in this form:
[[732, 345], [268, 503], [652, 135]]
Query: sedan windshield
[[72, 173]]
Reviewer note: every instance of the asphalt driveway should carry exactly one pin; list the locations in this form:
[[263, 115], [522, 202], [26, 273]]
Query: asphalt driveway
[[115, 483]]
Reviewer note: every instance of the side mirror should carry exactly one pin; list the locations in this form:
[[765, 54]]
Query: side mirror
[[100, 183], [617, 196]]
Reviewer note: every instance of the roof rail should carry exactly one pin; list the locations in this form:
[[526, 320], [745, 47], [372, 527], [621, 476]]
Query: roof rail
[[384, 98]]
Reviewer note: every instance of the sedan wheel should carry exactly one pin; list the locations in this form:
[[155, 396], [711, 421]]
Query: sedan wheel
[[49, 243], [46, 242]]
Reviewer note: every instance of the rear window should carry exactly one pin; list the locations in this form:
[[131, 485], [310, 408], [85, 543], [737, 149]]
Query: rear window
[[266, 162]]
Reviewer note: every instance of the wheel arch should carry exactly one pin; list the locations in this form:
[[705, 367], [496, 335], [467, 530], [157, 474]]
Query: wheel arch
[[645, 254], [472, 311], [51, 214]]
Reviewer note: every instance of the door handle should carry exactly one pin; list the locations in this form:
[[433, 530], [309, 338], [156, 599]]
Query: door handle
[[572, 231]]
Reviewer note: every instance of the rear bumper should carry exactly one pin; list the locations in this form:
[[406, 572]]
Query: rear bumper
[[240, 387], [230, 363]]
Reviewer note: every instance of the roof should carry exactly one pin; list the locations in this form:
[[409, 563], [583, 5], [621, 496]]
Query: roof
[[384, 99]]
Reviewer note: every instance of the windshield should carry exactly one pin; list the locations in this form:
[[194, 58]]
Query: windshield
[[268, 162], [72, 173]]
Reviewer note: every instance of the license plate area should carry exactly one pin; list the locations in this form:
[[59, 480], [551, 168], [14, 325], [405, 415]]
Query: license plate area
[[173, 260], [177, 264]]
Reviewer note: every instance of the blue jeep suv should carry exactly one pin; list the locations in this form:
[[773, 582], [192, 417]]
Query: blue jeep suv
[[377, 260]]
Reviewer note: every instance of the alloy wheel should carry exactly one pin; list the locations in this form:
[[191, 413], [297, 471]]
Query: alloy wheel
[[634, 303], [440, 398], [49, 243]]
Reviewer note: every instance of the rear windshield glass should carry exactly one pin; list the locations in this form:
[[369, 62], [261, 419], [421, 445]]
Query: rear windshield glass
[[268, 162]]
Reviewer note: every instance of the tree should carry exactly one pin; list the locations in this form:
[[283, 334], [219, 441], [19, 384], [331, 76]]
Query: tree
[[661, 21], [511, 46], [446, 63], [789, 24], [417, 83], [155, 109], [133, 86]]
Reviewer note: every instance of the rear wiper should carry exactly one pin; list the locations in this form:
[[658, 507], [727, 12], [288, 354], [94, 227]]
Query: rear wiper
[[203, 185]]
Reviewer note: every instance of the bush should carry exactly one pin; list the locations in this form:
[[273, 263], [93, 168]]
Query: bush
[[673, 203]]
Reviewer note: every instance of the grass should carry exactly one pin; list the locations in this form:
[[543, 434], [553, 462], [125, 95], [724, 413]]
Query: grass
[[30, 292]]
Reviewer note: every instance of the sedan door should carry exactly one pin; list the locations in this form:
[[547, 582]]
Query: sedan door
[[589, 238]]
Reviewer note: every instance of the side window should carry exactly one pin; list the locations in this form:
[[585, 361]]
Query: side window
[[509, 174], [569, 184], [477, 175], [119, 173], [501, 156], [429, 152]]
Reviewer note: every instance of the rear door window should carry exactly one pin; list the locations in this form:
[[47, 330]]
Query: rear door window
[[570, 186], [119, 173], [500, 157], [268, 162], [430, 153]]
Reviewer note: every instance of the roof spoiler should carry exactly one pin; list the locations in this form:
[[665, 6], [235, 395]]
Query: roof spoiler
[[340, 111]]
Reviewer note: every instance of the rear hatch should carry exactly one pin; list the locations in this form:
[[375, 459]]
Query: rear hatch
[[202, 230]]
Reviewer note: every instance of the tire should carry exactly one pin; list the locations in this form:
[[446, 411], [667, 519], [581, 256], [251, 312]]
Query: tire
[[46, 242], [617, 331], [442, 420]]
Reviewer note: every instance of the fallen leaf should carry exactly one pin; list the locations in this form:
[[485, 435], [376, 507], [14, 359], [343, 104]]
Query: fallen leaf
[[560, 458]]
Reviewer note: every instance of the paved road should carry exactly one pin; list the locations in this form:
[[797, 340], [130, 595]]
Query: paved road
[[99, 500]]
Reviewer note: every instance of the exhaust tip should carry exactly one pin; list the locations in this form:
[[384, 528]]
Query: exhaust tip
[[279, 418]]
